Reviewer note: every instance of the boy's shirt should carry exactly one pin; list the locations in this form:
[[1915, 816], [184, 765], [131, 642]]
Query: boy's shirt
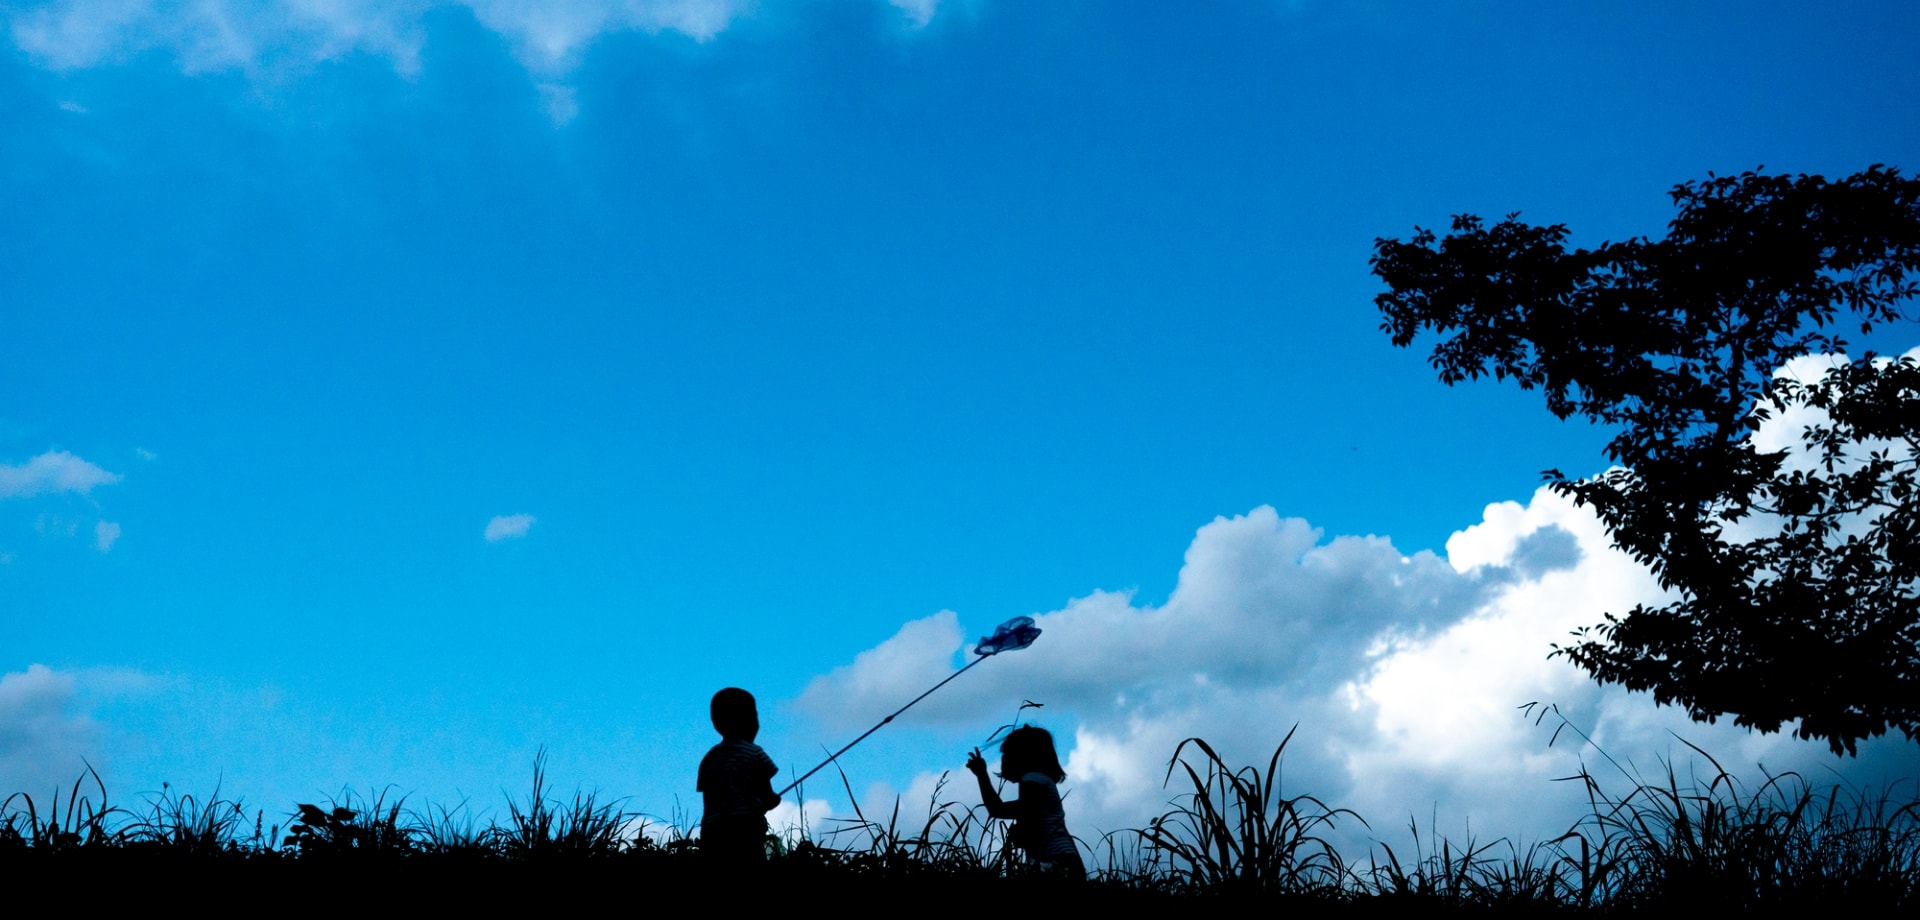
[[736, 780]]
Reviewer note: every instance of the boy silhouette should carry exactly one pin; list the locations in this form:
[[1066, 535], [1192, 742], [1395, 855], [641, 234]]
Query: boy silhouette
[[736, 784]]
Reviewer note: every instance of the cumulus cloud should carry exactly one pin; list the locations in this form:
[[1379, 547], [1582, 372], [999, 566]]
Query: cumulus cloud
[[1784, 432], [1781, 431], [53, 471], [793, 822], [1260, 601], [508, 526], [1403, 672], [42, 738], [104, 535]]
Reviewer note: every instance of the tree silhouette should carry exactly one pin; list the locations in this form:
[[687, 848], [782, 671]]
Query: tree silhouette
[[1796, 569]]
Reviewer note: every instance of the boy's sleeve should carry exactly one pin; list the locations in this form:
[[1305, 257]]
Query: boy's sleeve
[[771, 801]]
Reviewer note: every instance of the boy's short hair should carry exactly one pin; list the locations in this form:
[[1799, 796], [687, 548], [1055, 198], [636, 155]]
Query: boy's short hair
[[732, 709]]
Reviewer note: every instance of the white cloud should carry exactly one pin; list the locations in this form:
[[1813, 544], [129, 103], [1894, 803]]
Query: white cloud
[[1404, 674], [1783, 431], [53, 471], [1259, 601], [104, 535], [42, 739], [793, 822], [508, 526]]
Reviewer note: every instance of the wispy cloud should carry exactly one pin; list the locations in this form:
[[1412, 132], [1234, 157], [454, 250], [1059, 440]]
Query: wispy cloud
[[549, 38], [55, 525], [53, 471], [275, 41], [238, 35], [220, 35], [104, 535], [918, 12], [508, 527]]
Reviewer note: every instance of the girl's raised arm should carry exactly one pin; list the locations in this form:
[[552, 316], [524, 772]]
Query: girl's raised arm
[[996, 808]]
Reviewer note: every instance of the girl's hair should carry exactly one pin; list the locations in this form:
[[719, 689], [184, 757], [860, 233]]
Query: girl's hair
[[1029, 749]]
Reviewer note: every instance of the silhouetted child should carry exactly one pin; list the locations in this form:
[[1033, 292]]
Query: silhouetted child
[[1039, 821], [736, 785]]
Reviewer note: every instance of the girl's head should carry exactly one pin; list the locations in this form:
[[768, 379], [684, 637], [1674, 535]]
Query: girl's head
[[1029, 749]]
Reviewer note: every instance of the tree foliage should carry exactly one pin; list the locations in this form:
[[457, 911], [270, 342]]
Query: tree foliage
[[1797, 569]]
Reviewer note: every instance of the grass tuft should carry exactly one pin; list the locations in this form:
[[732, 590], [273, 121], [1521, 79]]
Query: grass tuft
[[1235, 833], [545, 827]]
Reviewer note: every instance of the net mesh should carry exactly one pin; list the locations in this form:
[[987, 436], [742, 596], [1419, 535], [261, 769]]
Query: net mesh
[[1017, 633]]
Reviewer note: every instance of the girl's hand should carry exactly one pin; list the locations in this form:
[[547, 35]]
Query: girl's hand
[[976, 764]]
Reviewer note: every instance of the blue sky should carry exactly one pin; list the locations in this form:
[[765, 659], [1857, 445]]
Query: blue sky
[[768, 332]]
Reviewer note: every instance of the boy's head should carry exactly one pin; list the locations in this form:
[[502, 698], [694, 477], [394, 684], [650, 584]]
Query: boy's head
[[734, 715]]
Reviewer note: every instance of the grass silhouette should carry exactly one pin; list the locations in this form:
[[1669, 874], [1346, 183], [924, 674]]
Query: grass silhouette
[[1231, 835]]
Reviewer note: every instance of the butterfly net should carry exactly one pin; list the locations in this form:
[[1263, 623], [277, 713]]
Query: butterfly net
[[1014, 634]]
